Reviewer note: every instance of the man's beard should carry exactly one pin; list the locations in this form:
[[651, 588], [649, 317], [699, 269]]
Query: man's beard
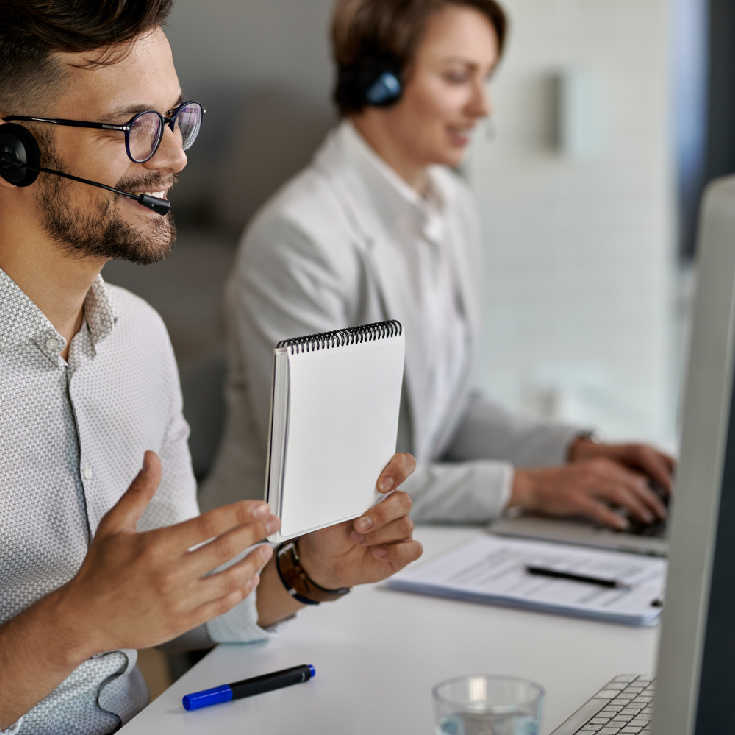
[[99, 230]]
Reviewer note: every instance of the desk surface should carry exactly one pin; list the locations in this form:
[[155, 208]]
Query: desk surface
[[378, 652]]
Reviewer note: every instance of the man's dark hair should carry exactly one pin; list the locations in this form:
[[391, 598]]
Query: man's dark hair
[[366, 30], [31, 31]]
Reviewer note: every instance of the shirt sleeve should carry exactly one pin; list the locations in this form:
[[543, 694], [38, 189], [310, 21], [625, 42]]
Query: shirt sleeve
[[473, 478], [463, 492], [240, 624], [13, 729]]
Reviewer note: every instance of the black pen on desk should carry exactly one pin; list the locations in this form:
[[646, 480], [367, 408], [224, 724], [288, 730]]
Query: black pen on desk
[[550, 573], [249, 687]]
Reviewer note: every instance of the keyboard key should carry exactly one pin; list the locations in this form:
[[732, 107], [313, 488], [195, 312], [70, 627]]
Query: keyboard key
[[621, 707], [606, 694]]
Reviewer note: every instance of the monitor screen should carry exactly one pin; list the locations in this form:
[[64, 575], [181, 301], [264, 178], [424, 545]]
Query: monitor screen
[[696, 662]]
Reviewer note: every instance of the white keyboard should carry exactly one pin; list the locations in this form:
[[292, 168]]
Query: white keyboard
[[622, 707]]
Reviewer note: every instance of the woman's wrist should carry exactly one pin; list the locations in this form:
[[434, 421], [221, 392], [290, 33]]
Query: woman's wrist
[[521, 490], [582, 446]]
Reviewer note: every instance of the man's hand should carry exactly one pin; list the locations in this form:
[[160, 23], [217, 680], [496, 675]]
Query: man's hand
[[371, 548], [598, 478], [136, 590]]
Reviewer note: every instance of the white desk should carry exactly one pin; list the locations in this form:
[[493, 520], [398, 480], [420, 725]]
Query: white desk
[[378, 652]]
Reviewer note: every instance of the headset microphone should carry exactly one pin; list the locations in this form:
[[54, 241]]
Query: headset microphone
[[20, 159]]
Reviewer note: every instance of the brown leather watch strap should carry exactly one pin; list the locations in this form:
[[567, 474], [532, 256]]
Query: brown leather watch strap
[[295, 579]]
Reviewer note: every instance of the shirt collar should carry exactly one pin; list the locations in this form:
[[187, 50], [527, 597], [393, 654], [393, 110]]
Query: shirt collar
[[21, 320], [99, 311], [392, 195]]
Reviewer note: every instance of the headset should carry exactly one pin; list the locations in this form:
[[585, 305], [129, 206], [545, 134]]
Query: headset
[[374, 81], [20, 164]]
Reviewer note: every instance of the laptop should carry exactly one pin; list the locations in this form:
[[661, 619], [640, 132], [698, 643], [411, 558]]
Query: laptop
[[640, 538]]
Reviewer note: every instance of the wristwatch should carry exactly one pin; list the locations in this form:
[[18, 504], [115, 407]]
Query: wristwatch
[[295, 579]]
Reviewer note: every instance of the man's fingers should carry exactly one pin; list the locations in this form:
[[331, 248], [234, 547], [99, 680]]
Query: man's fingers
[[402, 553], [395, 472], [228, 545], [126, 513], [390, 509], [217, 607], [237, 577], [216, 522], [398, 530]]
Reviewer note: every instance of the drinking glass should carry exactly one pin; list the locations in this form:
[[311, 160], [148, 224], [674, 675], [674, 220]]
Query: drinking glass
[[482, 704]]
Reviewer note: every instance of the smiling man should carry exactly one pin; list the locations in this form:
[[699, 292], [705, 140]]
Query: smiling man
[[99, 557]]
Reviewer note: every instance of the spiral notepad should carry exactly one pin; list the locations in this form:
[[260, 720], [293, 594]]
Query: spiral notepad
[[334, 421]]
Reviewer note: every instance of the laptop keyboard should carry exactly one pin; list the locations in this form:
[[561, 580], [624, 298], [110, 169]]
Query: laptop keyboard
[[622, 707], [657, 529]]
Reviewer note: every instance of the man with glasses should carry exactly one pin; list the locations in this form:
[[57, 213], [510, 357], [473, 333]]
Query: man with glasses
[[99, 557]]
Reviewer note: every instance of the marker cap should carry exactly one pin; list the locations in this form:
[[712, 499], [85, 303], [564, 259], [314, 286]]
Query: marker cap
[[197, 700]]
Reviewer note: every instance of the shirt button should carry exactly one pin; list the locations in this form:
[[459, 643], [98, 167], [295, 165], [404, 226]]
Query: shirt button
[[52, 344], [87, 473]]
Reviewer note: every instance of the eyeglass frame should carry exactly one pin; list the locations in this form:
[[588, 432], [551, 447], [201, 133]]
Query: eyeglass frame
[[126, 128]]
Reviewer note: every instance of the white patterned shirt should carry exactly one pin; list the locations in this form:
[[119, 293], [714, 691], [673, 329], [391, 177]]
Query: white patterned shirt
[[72, 439]]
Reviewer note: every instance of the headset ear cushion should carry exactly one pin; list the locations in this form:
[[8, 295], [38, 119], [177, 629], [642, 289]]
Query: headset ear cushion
[[384, 91], [19, 154]]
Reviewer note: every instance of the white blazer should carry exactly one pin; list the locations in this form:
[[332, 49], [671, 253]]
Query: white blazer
[[318, 257]]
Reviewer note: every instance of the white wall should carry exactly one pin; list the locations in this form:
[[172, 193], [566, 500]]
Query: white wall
[[579, 251]]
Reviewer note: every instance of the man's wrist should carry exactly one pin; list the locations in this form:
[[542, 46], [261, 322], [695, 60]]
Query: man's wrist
[[73, 642], [315, 570]]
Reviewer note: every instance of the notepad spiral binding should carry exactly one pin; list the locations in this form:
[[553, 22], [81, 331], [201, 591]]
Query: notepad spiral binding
[[340, 337]]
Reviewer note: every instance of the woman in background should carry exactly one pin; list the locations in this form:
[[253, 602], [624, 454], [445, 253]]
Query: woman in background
[[380, 226]]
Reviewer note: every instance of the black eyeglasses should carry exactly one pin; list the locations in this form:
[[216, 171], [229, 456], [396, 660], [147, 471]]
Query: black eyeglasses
[[144, 131]]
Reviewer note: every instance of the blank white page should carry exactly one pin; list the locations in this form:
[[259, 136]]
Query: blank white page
[[342, 428]]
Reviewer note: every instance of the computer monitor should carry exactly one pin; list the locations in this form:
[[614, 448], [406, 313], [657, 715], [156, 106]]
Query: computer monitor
[[695, 684]]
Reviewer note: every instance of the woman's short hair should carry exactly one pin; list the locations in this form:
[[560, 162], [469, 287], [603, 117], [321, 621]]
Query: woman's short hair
[[388, 32]]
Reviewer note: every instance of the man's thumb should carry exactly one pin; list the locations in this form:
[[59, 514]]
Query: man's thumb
[[124, 516]]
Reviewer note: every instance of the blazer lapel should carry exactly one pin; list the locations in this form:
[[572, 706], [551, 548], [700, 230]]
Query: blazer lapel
[[352, 191], [468, 295]]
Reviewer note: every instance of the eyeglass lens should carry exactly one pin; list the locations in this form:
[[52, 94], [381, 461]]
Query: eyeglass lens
[[147, 130]]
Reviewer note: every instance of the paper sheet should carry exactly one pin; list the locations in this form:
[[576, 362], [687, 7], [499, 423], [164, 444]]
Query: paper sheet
[[492, 569], [342, 426]]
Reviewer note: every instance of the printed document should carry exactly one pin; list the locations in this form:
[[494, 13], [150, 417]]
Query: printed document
[[492, 569]]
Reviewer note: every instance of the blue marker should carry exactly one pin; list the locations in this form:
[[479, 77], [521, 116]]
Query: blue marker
[[249, 687]]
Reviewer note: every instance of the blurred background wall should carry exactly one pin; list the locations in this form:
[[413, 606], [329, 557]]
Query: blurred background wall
[[576, 193], [579, 181]]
